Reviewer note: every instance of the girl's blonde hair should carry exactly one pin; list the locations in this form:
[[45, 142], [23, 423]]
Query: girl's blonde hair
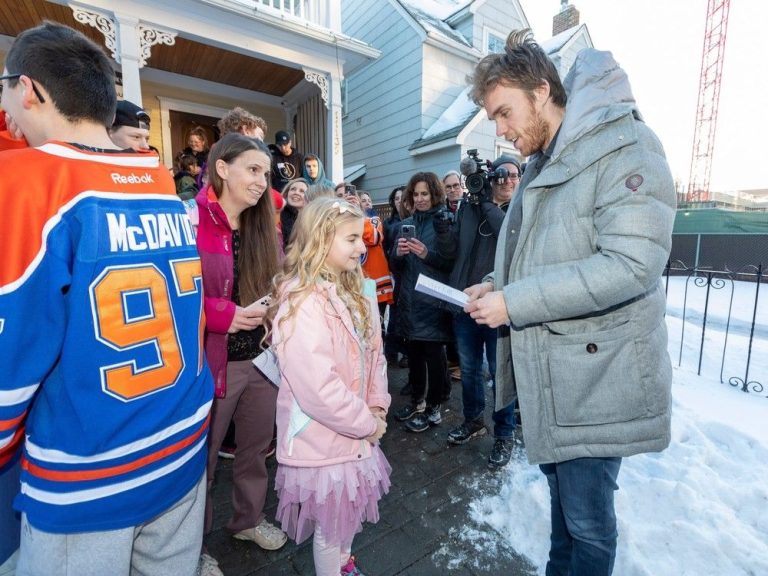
[[313, 236]]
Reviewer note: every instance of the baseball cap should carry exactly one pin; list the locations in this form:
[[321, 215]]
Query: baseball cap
[[128, 114], [506, 159], [282, 137]]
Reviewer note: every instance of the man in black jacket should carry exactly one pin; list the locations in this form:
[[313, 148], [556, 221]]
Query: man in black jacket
[[471, 243], [287, 162]]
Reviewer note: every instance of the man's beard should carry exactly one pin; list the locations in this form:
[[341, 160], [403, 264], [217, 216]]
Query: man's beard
[[535, 135]]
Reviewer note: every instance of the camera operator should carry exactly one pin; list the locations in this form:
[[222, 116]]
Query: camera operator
[[577, 279], [470, 243]]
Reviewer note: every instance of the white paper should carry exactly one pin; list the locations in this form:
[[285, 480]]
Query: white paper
[[266, 362], [431, 287]]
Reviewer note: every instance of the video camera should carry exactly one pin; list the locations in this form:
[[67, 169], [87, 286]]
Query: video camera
[[478, 177]]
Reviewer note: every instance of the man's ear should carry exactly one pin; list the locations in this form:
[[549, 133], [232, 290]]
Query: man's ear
[[28, 97], [541, 93]]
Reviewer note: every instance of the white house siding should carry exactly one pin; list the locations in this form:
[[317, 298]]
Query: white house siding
[[383, 116], [483, 139], [444, 79], [500, 16]]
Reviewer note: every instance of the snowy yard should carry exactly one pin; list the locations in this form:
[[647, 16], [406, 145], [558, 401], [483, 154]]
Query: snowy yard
[[701, 506]]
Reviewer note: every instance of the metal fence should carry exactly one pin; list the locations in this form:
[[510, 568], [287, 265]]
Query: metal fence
[[721, 308], [719, 251]]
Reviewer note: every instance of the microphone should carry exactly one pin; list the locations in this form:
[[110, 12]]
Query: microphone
[[467, 166]]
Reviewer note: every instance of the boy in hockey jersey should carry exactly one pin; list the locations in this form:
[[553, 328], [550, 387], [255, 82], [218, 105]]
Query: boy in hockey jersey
[[100, 327]]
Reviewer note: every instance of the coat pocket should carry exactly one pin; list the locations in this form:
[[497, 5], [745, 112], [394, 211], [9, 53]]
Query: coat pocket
[[597, 378]]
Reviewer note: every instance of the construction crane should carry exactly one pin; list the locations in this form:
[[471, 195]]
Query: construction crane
[[709, 97]]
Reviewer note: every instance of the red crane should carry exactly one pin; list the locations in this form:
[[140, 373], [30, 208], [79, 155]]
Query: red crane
[[712, 57]]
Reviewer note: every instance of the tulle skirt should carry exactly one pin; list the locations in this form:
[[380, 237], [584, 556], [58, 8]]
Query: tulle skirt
[[338, 497]]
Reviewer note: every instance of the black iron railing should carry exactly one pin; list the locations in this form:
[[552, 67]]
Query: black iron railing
[[724, 281]]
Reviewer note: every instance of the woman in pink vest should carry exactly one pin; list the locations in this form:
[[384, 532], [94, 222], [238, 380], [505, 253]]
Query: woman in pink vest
[[239, 252]]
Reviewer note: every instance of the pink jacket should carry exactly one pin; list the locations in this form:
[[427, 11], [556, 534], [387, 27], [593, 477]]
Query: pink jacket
[[328, 383], [214, 244]]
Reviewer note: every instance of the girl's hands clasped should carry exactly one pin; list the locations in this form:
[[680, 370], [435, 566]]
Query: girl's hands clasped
[[381, 428]]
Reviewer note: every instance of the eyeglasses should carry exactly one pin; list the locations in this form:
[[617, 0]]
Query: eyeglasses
[[514, 176], [16, 76], [453, 186]]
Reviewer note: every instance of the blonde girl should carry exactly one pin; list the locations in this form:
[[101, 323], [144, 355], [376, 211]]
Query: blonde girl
[[294, 192], [332, 403]]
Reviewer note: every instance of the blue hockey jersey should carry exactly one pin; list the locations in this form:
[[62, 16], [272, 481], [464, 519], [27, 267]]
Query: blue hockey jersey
[[101, 326]]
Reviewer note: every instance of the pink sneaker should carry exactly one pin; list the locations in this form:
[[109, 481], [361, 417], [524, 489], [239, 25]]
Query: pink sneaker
[[349, 569]]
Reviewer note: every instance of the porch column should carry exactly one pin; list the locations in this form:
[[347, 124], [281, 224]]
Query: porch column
[[128, 48], [334, 147]]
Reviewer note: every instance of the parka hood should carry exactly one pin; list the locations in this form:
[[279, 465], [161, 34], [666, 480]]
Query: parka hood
[[598, 92]]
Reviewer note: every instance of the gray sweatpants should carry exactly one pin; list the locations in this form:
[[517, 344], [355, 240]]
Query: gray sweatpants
[[167, 544]]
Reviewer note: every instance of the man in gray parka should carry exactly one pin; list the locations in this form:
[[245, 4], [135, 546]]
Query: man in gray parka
[[576, 289]]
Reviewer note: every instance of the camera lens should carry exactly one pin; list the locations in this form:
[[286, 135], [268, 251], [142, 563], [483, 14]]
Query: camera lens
[[475, 183]]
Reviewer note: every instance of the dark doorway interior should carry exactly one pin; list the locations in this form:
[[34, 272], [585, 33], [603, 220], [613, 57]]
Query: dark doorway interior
[[183, 122]]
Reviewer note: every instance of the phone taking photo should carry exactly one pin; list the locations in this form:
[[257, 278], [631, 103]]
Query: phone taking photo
[[408, 231]]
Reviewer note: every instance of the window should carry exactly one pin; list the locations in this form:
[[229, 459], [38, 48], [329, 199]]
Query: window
[[494, 43], [344, 98]]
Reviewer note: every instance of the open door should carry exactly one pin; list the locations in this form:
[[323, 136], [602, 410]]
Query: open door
[[181, 125]]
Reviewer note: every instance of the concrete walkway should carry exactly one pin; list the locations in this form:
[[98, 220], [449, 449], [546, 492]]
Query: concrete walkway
[[425, 528]]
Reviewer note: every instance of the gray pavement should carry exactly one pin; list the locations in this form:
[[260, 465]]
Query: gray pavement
[[424, 518]]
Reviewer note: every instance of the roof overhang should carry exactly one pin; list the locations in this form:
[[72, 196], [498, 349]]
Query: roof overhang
[[443, 43], [354, 172]]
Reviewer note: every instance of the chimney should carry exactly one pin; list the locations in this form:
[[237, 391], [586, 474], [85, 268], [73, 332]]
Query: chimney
[[567, 18]]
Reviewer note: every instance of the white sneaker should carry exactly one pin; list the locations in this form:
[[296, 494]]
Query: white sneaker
[[208, 566], [266, 535]]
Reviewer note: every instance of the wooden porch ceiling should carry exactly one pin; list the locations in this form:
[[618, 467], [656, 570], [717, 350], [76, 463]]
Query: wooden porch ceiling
[[186, 57]]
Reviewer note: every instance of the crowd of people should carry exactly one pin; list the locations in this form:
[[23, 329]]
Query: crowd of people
[[130, 321]]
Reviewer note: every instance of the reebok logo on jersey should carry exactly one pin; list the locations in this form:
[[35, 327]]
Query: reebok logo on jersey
[[145, 178], [151, 232]]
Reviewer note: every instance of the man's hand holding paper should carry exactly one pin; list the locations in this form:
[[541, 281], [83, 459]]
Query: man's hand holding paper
[[486, 306]]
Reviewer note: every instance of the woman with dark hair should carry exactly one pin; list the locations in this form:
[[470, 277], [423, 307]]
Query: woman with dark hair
[[392, 224], [421, 319], [239, 254], [393, 342]]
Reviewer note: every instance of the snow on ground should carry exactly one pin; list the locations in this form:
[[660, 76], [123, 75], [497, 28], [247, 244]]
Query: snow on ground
[[698, 508]]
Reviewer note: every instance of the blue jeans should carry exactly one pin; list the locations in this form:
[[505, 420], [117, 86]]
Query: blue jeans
[[471, 338], [583, 540]]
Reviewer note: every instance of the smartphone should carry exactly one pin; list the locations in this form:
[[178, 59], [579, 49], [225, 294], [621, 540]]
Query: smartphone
[[263, 301], [408, 231], [350, 189]]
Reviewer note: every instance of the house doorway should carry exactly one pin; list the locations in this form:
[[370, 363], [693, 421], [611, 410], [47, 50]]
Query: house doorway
[[178, 117], [182, 123]]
